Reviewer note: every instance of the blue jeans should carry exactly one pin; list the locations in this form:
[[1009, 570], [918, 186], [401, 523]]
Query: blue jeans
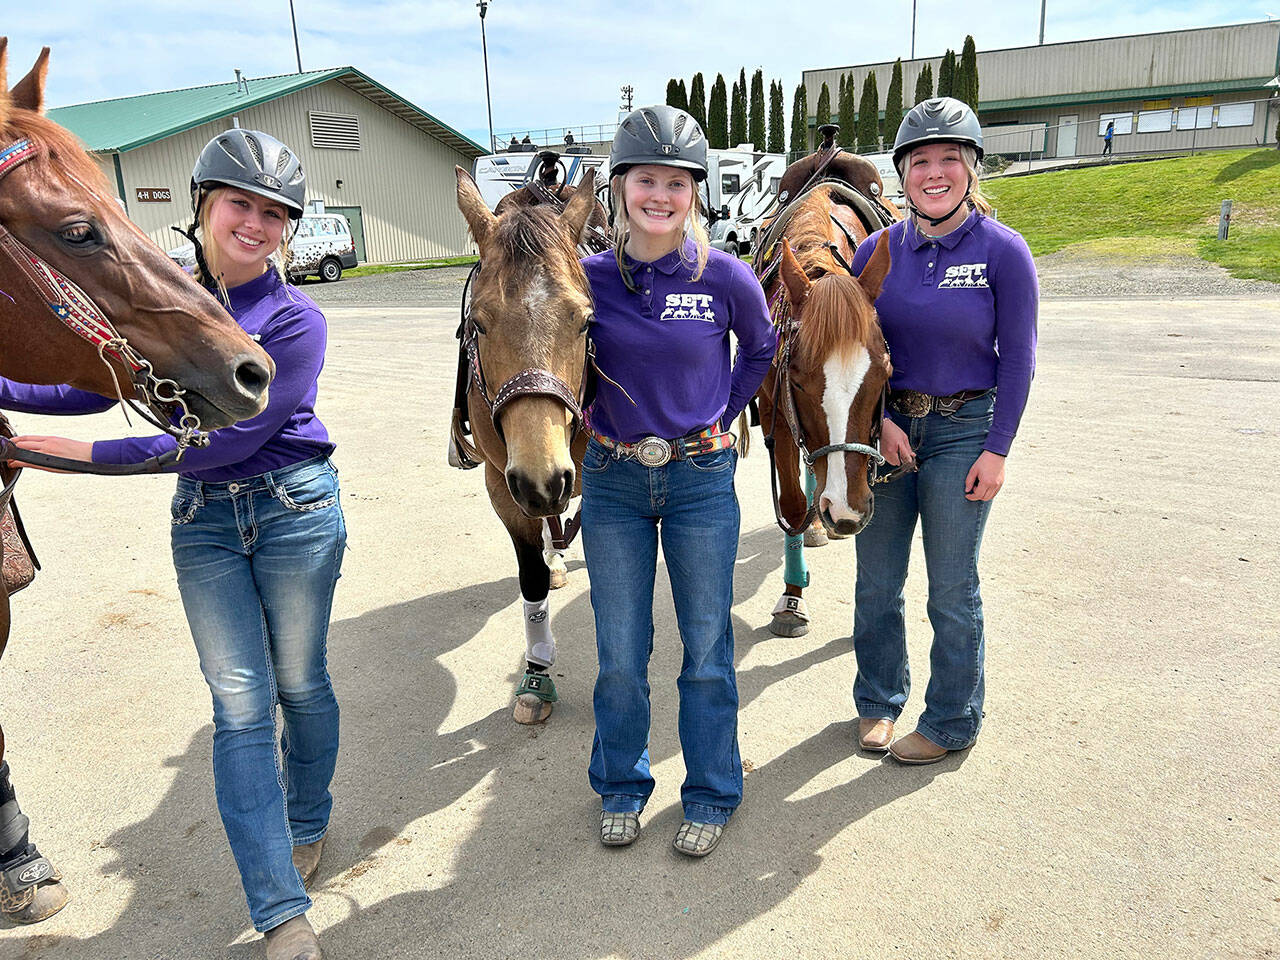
[[257, 560], [691, 504], [946, 448]]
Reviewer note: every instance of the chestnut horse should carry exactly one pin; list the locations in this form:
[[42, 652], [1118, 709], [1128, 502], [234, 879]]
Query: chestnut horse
[[525, 336], [86, 299], [820, 406]]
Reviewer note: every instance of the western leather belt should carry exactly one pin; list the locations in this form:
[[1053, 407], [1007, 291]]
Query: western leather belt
[[912, 403], [657, 452]]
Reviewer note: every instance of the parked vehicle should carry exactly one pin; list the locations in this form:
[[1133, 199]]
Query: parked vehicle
[[321, 246]]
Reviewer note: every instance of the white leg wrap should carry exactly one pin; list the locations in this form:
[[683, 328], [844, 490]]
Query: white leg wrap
[[539, 645]]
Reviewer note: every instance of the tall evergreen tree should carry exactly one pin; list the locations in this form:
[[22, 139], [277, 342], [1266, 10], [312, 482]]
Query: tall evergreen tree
[[969, 69], [756, 112], [718, 115], [698, 100], [673, 93], [799, 145], [824, 105], [893, 102], [777, 120], [869, 117], [847, 110], [684, 97], [924, 84], [738, 115], [947, 74]]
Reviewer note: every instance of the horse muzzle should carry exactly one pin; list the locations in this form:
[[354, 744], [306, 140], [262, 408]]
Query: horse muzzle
[[546, 496]]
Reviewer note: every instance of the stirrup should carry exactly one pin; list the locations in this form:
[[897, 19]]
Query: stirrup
[[540, 685], [793, 605]]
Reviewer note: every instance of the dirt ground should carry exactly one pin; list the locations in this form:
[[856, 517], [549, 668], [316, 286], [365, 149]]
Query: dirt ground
[[1121, 801]]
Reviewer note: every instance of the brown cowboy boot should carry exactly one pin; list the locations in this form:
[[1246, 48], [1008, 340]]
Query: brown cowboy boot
[[306, 857], [293, 940], [875, 733]]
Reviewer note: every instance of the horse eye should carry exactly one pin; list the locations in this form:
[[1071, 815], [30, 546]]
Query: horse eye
[[78, 235], [586, 324]]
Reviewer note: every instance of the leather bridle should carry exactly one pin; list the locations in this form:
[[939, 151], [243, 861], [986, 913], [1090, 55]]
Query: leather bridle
[[77, 311]]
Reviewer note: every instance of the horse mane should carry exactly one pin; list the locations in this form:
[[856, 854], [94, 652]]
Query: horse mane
[[838, 315], [65, 154]]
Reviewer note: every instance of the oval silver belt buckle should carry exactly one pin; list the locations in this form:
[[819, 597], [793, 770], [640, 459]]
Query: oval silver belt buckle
[[653, 452]]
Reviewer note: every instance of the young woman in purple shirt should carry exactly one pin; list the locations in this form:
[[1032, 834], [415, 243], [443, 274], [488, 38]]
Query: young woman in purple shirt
[[257, 537], [660, 464], [958, 310]]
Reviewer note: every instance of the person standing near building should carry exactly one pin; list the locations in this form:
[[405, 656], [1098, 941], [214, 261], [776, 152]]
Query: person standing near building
[[1106, 138], [660, 464], [958, 311], [257, 537]]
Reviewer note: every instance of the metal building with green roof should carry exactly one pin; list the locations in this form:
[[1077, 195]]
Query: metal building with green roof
[[368, 153]]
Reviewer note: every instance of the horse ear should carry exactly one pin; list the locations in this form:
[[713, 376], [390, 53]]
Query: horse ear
[[474, 209], [793, 277], [578, 210], [29, 91], [872, 276]]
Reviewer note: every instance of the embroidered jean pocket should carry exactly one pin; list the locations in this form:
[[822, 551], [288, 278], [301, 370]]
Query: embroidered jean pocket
[[307, 496]]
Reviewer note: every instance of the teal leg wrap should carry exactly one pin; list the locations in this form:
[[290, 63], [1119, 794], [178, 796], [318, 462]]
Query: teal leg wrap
[[810, 485], [794, 570]]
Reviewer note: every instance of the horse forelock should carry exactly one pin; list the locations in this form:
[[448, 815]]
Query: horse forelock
[[63, 156], [529, 247], [837, 318]]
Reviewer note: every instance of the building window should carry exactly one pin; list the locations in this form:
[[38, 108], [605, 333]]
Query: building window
[[333, 131], [1123, 122], [1155, 121], [1235, 115], [1195, 118]]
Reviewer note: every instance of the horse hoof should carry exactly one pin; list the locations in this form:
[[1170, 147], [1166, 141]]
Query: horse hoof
[[833, 535], [815, 537], [46, 900], [788, 625], [529, 709], [559, 578]]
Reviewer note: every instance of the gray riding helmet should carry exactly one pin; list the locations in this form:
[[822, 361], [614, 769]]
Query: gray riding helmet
[[253, 161], [941, 119], [660, 135]]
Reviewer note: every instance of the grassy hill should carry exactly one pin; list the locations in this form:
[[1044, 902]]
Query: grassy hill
[[1153, 207]]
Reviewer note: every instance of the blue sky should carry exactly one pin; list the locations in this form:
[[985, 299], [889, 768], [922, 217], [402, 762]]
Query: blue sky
[[550, 64]]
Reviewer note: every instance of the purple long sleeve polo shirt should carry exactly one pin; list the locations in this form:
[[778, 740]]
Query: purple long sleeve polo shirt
[[290, 327], [959, 313], [668, 345]]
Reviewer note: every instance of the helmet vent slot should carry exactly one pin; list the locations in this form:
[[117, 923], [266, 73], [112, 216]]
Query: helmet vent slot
[[225, 145], [679, 125], [652, 122], [282, 161], [255, 148]]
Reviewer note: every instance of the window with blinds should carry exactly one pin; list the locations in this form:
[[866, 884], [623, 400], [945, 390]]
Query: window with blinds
[[334, 131]]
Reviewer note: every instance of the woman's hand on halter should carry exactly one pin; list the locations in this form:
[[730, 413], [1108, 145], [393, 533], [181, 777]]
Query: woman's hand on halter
[[54, 447], [985, 478], [894, 445]]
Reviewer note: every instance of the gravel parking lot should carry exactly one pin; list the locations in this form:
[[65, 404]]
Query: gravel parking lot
[[1121, 801]]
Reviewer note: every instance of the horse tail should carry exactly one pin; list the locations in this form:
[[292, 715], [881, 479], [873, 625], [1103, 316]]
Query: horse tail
[[743, 442]]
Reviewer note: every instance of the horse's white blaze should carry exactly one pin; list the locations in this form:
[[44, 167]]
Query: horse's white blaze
[[537, 295], [844, 379]]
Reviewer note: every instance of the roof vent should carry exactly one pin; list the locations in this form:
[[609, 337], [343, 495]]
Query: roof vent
[[334, 131]]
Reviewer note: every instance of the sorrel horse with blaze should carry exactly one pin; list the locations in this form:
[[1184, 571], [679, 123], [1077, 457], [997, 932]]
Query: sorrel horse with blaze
[[526, 338], [68, 251], [831, 370]]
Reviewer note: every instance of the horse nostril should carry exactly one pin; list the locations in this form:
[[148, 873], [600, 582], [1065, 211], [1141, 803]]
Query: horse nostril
[[252, 377], [566, 485]]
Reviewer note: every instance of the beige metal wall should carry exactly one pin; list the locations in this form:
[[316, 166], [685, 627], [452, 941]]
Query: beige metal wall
[[1244, 51], [401, 178]]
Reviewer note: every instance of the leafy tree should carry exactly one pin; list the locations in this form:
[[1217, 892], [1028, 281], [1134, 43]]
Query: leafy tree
[[847, 110], [968, 92], [777, 120], [738, 111], [673, 93], [698, 100], [869, 117], [824, 105], [893, 102], [718, 115], [756, 122], [947, 74], [924, 84], [799, 123]]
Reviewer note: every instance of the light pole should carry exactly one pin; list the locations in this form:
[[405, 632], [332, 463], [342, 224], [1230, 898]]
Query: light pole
[[1042, 3], [484, 46], [296, 49], [913, 29]]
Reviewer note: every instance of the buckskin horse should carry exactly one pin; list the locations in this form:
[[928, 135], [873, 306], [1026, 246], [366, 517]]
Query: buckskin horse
[[130, 324], [524, 379], [821, 404]]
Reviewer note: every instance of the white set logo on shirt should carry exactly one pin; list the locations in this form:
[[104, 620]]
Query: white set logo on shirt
[[689, 306], [965, 275]]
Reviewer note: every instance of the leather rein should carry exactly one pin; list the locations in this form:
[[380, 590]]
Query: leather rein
[[77, 311]]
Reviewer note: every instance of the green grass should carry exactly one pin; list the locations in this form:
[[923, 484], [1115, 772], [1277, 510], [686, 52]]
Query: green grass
[[1161, 206], [372, 269]]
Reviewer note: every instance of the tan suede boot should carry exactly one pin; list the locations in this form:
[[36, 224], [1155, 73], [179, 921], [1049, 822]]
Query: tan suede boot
[[293, 940], [306, 857]]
